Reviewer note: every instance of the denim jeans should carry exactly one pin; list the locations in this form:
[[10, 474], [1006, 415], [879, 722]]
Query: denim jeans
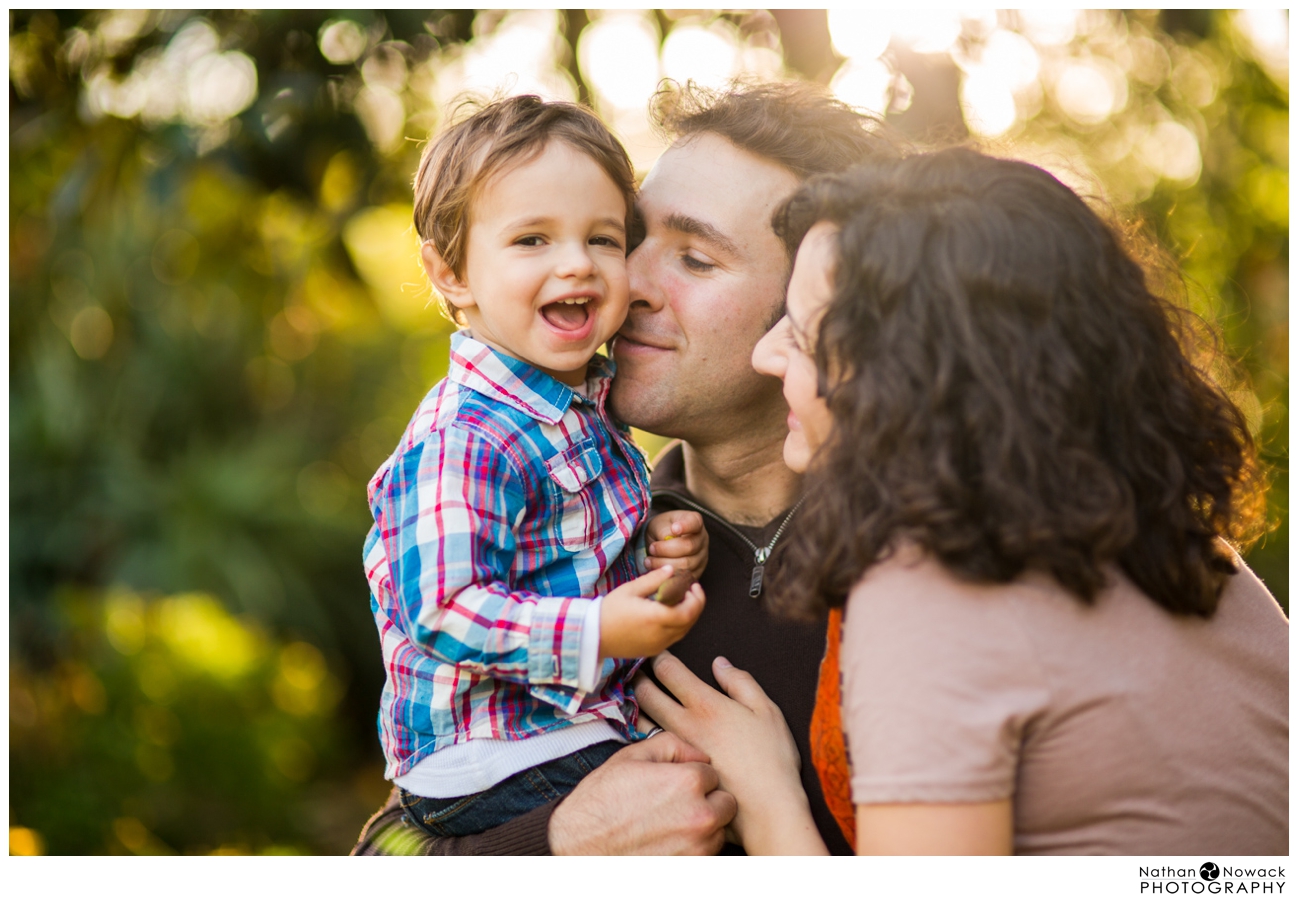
[[517, 794]]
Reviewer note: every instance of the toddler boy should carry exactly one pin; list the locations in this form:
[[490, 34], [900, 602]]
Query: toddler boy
[[505, 560]]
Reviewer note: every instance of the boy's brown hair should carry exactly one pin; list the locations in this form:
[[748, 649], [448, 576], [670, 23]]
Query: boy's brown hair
[[456, 165]]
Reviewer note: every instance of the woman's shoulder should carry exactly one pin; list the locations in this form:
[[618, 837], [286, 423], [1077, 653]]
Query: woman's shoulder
[[913, 579], [919, 606], [930, 615]]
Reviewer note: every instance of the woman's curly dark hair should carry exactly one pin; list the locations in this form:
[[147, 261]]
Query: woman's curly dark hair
[[1007, 394]]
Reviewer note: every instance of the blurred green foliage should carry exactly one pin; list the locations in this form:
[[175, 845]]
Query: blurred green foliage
[[171, 726], [218, 331]]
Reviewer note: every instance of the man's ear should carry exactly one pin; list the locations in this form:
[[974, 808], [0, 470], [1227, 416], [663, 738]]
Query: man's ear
[[443, 278]]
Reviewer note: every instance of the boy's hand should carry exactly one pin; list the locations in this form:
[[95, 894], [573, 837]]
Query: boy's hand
[[631, 624], [677, 538]]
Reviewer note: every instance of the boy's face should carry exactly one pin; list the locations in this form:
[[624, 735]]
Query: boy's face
[[545, 262]]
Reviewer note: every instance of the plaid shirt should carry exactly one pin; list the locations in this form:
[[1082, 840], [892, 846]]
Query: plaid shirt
[[506, 506]]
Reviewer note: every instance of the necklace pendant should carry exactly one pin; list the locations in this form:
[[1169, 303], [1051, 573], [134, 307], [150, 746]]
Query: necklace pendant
[[755, 583]]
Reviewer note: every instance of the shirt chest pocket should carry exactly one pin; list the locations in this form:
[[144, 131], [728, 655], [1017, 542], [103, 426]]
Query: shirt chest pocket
[[574, 478]]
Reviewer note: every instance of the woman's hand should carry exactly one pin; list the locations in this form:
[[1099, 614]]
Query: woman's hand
[[746, 738]]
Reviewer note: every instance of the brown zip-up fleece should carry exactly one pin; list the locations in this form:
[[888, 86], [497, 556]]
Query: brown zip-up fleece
[[783, 656]]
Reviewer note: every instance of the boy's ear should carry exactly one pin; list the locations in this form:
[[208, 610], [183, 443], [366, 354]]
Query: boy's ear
[[444, 279]]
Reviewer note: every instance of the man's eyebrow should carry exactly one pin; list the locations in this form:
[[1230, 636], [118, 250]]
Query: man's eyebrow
[[690, 225]]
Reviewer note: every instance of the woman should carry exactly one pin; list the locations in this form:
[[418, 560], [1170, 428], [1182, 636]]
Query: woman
[[1021, 488]]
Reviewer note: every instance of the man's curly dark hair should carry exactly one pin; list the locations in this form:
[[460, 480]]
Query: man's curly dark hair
[[1008, 393]]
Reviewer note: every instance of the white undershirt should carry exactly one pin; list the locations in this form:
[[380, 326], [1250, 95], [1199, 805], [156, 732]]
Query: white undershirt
[[474, 766]]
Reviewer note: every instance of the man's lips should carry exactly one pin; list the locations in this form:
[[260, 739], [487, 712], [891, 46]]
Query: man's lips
[[637, 341]]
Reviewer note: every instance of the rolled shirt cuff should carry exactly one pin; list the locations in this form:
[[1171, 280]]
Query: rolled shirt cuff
[[554, 651], [588, 664]]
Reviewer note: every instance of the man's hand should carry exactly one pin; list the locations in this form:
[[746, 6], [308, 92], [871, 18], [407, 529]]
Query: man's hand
[[658, 797], [631, 624]]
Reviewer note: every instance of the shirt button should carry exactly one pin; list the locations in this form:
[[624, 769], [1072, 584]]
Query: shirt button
[[555, 660]]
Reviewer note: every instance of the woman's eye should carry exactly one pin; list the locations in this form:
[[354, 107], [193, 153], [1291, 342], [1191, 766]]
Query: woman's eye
[[695, 264]]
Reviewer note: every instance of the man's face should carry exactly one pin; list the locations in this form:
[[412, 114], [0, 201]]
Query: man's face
[[706, 283]]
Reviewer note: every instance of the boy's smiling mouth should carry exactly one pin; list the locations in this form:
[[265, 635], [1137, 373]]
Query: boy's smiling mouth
[[569, 314]]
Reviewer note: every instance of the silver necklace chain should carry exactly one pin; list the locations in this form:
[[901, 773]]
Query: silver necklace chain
[[760, 554]]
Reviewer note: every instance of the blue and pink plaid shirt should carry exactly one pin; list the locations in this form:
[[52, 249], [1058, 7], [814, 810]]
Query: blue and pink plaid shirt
[[505, 509]]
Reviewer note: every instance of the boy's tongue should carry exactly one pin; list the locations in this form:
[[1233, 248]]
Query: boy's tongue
[[565, 316]]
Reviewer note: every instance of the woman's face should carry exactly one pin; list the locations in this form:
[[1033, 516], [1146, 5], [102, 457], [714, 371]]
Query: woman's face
[[787, 351]]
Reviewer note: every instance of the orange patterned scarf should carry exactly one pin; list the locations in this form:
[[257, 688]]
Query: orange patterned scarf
[[828, 749]]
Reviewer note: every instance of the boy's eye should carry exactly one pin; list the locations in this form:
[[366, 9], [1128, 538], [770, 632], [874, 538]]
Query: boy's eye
[[531, 240], [694, 264], [604, 240]]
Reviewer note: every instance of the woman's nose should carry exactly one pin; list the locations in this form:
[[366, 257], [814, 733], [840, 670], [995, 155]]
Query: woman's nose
[[767, 357]]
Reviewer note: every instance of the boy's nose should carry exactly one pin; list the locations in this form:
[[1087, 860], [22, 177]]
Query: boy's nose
[[576, 262]]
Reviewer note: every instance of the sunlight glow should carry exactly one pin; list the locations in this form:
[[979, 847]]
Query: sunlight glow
[[709, 56], [859, 34], [1049, 25], [926, 30], [1172, 150], [1012, 58], [190, 81], [865, 84], [1266, 34], [520, 56], [341, 41], [1091, 90], [618, 56], [987, 102]]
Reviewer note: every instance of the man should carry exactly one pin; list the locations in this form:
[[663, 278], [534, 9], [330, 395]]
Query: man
[[707, 281]]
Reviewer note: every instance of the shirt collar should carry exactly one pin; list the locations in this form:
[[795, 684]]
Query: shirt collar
[[517, 384]]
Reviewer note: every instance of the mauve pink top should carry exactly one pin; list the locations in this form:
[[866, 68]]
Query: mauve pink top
[[1117, 728]]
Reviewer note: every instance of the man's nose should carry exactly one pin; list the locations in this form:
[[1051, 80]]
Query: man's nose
[[646, 294]]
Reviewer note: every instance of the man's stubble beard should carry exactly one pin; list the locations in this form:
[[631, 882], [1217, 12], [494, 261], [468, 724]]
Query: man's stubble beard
[[704, 415]]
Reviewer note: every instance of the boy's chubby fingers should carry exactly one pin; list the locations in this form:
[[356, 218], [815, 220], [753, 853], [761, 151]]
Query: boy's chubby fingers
[[690, 545], [649, 583], [674, 523], [684, 613], [673, 590], [646, 586]]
